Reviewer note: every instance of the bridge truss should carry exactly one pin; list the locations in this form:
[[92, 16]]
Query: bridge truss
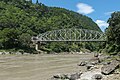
[[72, 34]]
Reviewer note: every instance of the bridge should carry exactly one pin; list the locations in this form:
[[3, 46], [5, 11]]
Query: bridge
[[80, 35], [70, 35]]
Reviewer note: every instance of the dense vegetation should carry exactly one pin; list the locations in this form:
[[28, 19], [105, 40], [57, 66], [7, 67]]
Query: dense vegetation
[[113, 34], [21, 19]]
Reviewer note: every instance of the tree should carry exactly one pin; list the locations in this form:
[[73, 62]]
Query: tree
[[25, 40], [8, 38], [37, 2], [113, 32]]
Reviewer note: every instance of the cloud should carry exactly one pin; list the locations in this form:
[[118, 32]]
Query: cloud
[[109, 13], [102, 24], [84, 8]]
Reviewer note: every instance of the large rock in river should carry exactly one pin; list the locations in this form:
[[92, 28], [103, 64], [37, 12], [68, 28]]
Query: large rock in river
[[75, 76], [107, 69]]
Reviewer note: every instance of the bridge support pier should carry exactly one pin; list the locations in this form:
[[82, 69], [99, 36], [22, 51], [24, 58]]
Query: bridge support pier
[[37, 46]]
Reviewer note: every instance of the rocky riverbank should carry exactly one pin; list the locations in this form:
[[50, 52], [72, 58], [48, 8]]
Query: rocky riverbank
[[17, 53], [98, 67]]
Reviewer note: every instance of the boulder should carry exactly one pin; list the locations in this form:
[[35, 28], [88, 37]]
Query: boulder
[[83, 63], [75, 76], [57, 76], [11, 52], [18, 53], [96, 54], [97, 77], [5, 53], [106, 63], [26, 53], [61, 76], [0, 52], [65, 76], [94, 60], [107, 69], [54, 78], [89, 66]]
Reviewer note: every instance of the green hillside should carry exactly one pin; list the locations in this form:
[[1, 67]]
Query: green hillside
[[21, 19]]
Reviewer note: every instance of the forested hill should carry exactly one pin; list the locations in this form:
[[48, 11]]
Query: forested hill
[[73, 19], [21, 19]]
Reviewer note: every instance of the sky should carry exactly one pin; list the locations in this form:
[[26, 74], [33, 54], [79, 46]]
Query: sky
[[98, 10]]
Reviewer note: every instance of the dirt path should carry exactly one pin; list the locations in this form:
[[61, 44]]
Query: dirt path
[[38, 67]]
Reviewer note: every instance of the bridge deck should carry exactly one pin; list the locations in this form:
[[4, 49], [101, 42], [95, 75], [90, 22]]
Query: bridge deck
[[71, 41]]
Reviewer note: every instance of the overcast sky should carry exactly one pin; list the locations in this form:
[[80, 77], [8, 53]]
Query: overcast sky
[[98, 10]]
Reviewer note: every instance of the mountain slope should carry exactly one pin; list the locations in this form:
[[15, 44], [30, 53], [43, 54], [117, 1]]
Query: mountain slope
[[21, 19]]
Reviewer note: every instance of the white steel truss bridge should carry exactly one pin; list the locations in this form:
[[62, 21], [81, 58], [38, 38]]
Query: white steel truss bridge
[[70, 35]]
